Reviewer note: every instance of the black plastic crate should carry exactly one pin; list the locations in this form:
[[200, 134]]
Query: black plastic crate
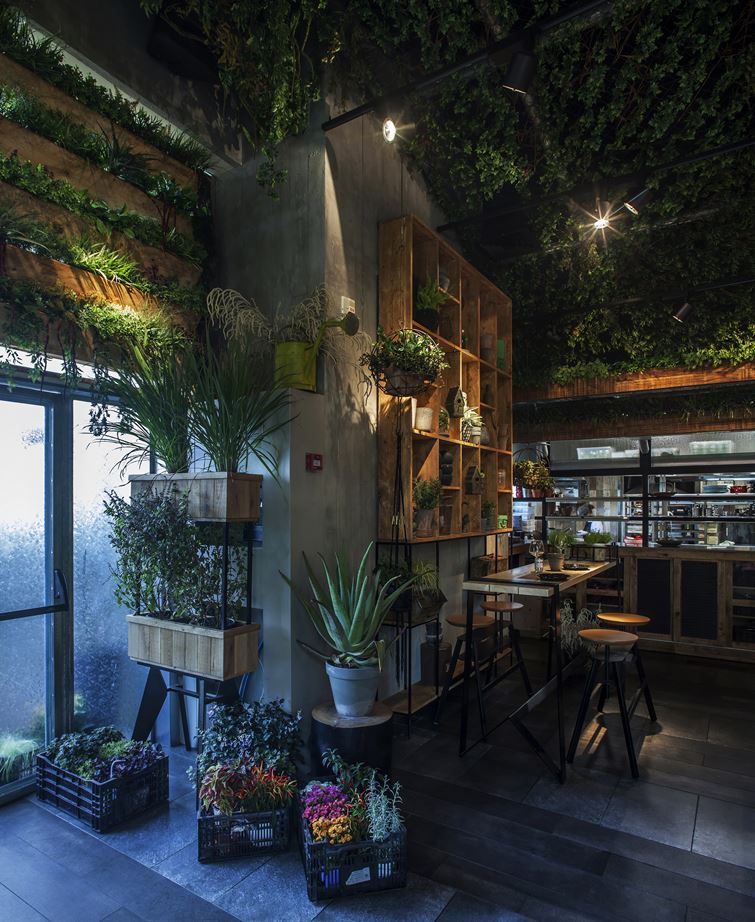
[[102, 804], [242, 835], [356, 867]]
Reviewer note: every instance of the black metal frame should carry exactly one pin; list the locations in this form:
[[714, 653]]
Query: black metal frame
[[59, 606]]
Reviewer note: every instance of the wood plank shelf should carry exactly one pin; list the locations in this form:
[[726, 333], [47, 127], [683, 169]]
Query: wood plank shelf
[[478, 315]]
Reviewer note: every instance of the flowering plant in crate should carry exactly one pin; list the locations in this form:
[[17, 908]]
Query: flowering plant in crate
[[353, 836]]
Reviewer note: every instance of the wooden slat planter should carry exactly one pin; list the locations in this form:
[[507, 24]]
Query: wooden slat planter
[[212, 496], [198, 651], [49, 273], [14, 74], [62, 164], [653, 379], [168, 267]]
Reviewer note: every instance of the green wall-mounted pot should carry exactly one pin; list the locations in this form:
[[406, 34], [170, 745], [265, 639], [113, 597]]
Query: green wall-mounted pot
[[296, 365]]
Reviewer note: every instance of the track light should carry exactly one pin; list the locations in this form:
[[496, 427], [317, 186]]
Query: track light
[[684, 311], [521, 72], [389, 130], [637, 202]]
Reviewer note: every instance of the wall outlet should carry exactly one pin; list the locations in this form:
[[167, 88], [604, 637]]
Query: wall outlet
[[348, 306]]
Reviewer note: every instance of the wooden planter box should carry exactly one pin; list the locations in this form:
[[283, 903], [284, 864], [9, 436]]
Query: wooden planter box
[[216, 496], [200, 651]]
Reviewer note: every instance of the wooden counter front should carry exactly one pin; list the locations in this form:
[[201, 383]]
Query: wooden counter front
[[701, 600]]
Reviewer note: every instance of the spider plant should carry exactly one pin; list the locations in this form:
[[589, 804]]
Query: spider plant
[[153, 394], [236, 410], [348, 611], [103, 260], [121, 160], [19, 230]]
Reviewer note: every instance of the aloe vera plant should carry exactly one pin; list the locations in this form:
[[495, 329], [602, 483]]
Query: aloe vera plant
[[348, 611]]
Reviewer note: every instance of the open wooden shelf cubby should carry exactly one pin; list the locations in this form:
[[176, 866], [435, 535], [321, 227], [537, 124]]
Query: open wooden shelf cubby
[[475, 333]]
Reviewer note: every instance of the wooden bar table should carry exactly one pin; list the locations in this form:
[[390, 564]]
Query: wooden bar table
[[517, 582]]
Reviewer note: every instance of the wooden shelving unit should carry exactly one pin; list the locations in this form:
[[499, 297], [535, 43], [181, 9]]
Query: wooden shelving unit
[[475, 312]]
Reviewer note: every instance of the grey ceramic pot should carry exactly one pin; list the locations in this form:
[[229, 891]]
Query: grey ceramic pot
[[353, 689]]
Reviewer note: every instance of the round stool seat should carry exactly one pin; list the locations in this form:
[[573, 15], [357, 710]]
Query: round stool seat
[[501, 606], [477, 621], [623, 617], [604, 637]]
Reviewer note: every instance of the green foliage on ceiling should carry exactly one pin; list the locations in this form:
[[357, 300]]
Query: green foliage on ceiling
[[621, 92], [45, 57], [722, 403], [268, 59]]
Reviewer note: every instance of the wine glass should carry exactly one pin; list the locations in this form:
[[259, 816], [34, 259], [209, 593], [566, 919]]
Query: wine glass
[[537, 550]]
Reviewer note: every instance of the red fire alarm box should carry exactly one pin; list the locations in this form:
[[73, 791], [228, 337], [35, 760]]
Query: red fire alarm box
[[314, 462]]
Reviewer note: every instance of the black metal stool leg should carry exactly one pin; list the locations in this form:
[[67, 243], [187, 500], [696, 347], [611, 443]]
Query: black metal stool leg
[[514, 637], [625, 724], [550, 653], [449, 679], [582, 713], [605, 687], [644, 684], [478, 681]]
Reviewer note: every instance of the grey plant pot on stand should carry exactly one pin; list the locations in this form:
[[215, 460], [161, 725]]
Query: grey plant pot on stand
[[354, 688]]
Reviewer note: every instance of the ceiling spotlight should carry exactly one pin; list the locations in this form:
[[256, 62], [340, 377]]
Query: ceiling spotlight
[[601, 223], [389, 130], [521, 72], [684, 311], [637, 202]]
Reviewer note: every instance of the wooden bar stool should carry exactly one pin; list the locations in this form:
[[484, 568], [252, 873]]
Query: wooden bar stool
[[617, 647], [484, 649], [499, 608], [619, 621]]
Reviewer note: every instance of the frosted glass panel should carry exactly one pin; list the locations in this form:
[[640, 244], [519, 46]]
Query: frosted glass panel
[[107, 684], [22, 585]]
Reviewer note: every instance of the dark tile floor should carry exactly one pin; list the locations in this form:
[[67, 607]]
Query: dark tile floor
[[492, 836]]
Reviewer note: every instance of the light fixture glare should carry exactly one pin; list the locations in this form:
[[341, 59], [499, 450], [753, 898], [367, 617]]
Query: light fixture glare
[[683, 313], [389, 130], [601, 223]]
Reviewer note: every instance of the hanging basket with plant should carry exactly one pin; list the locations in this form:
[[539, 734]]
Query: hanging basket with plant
[[405, 363], [533, 475]]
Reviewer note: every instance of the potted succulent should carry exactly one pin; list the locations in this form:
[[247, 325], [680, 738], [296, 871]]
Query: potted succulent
[[444, 421], [348, 612], [488, 516], [427, 495], [428, 300], [558, 541], [471, 426], [405, 363], [169, 573]]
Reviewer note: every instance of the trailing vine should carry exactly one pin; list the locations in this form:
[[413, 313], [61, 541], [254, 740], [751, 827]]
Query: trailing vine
[[268, 62]]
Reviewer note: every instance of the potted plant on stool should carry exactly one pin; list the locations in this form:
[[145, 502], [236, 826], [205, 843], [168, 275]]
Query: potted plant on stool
[[348, 612]]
